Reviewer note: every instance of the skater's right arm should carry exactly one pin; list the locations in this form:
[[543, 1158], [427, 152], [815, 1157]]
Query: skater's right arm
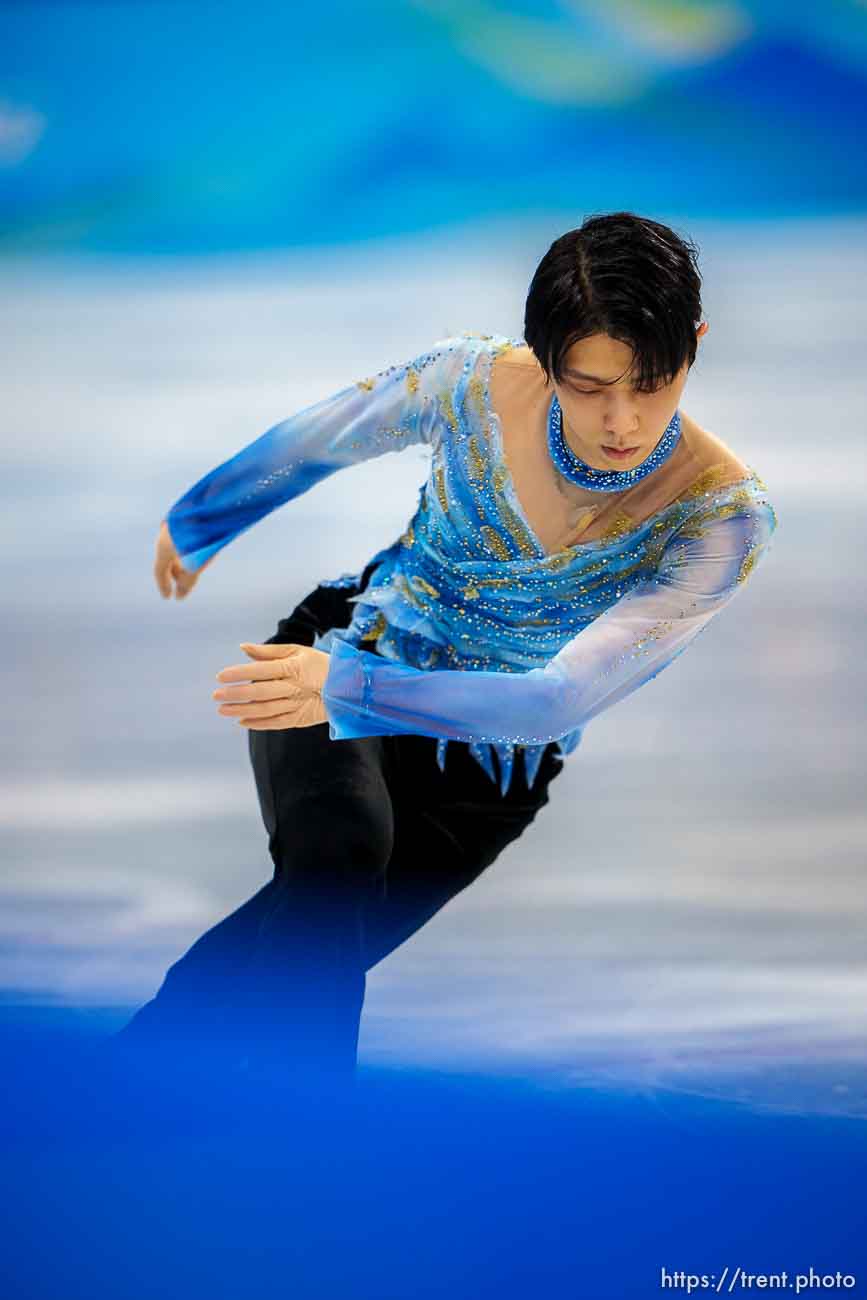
[[402, 405]]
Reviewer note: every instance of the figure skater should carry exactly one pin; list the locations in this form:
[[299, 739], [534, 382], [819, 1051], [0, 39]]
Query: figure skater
[[576, 532]]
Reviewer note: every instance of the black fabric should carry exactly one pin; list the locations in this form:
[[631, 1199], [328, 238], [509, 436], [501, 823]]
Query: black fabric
[[324, 608], [369, 839]]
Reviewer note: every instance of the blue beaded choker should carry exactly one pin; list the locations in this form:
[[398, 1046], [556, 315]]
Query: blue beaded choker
[[605, 480]]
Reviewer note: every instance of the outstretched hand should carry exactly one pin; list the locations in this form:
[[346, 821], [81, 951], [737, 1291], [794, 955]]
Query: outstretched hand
[[282, 688]]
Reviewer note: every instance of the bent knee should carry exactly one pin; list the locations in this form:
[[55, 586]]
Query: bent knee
[[336, 835]]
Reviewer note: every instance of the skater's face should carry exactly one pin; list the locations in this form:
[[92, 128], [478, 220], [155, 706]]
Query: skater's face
[[602, 418]]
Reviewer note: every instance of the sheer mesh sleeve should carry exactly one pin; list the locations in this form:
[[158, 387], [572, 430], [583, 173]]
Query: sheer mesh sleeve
[[396, 408], [705, 563]]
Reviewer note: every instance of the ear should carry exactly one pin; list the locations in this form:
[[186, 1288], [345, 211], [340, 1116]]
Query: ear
[[702, 328]]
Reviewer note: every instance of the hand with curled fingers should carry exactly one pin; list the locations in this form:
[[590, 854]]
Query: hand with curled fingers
[[168, 566], [281, 689]]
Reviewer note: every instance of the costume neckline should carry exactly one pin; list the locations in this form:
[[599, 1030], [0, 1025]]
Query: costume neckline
[[491, 347], [570, 466]]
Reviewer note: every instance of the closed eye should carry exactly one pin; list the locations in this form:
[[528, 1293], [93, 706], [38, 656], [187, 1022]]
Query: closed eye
[[594, 392]]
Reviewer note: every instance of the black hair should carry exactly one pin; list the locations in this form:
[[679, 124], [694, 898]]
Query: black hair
[[625, 276]]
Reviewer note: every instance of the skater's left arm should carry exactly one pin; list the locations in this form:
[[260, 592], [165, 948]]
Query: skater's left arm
[[704, 565]]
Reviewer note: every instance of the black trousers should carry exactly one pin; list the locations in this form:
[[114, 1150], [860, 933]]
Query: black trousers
[[369, 839]]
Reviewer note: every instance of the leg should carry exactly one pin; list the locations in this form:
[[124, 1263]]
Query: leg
[[282, 978], [328, 812], [198, 987], [190, 1000], [449, 827]]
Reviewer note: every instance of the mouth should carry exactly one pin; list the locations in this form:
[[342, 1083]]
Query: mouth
[[623, 453]]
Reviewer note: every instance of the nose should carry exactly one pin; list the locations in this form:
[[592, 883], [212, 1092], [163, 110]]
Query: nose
[[620, 419]]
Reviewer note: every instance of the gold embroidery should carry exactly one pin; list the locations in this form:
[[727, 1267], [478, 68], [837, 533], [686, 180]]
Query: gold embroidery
[[448, 409], [440, 485], [621, 523], [693, 529], [654, 633], [516, 529], [366, 384], [403, 586], [494, 582], [710, 478], [476, 459], [698, 525], [749, 563], [499, 477], [471, 592], [419, 584], [476, 390], [654, 551], [616, 578], [412, 380], [561, 560], [408, 538], [376, 631], [494, 542]]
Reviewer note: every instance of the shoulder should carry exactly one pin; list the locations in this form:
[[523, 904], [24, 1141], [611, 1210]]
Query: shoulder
[[713, 462], [514, 357], [517, 353], [722, 486], [472, 357], [517, 381], [453, 354], [501, 348]]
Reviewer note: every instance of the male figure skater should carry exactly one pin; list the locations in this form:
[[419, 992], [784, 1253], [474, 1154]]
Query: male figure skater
[[577, 530]]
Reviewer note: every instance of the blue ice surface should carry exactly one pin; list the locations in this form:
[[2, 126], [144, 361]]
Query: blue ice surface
[[138, 1184]]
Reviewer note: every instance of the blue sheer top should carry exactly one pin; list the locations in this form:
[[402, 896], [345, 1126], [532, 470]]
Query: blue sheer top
[[480, 635]]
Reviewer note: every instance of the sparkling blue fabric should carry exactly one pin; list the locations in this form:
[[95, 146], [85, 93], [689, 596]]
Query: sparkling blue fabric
[[480, 635]]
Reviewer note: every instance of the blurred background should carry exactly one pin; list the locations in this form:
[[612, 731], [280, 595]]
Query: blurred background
[[216, 214]]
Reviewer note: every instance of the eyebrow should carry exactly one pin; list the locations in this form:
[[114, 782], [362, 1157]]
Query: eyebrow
[[581, 374]]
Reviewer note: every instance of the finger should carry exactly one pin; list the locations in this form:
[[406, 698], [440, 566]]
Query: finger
[[161, 574], [307, 714], [275, 689], [271, 649], [281, 723], [174, 571], [184, 581], [252, 709], [259, 670], [306, 711]]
